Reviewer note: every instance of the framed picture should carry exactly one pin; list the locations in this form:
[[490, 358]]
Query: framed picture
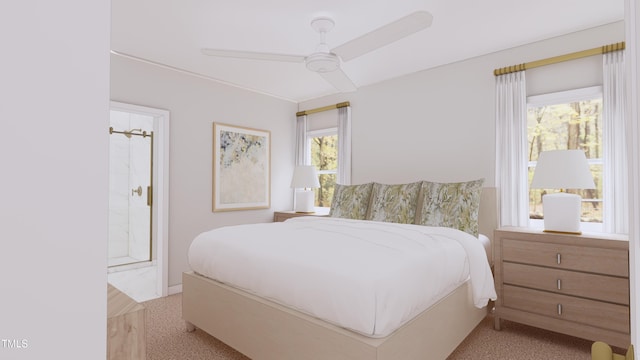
[[241, 168]]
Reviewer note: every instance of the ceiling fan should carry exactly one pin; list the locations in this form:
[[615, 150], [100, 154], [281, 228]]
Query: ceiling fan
[[326, 62]]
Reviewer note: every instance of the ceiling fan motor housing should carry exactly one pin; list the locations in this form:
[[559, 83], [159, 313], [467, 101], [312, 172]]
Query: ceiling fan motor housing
[[322, 62]]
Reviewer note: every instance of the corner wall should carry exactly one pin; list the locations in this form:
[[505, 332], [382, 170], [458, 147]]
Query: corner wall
[[195, 104], [54, 110], [632, 57]]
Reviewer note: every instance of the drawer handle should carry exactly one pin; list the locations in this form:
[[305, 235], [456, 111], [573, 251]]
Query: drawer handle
[[559, 309], [559, 258], [559, 284]]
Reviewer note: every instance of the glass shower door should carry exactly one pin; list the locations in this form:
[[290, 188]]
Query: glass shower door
[[130, 169]]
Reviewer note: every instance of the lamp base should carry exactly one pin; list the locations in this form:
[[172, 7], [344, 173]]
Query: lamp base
[[562, 213], [305, 202]]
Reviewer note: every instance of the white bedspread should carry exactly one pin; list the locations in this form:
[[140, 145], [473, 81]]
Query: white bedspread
[[369, 277]]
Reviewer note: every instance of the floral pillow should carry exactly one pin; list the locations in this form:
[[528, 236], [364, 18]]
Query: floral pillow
[[350, 201], [394, 203], [454, 205]]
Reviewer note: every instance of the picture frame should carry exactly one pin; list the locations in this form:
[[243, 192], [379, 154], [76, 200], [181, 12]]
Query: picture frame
[[241, 168]]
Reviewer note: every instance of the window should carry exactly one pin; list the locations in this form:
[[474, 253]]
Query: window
[[323, 154], [567, 120], [323, 140]]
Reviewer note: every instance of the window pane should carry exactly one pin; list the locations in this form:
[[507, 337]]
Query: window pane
[[324, 156], [572, 125], [324, 152], [324, 194]]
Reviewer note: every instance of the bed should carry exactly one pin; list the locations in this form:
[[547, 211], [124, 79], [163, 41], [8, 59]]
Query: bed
[[266, 326]]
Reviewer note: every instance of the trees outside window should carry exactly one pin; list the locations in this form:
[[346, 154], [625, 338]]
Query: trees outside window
[[323, 148], [567, 121]]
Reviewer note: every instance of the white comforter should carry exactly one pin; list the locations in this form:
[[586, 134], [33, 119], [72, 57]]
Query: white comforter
[[369, 277]]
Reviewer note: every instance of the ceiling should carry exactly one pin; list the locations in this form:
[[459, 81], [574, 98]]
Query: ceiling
[[173, 32]]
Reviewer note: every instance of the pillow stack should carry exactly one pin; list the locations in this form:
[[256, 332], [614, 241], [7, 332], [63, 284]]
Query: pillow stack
[[453, 205]]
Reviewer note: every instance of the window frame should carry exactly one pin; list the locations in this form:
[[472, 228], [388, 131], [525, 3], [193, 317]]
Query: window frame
[[561, 97]]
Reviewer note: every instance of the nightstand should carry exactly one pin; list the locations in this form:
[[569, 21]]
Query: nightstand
[[572, 284], [126, 334], [279, 216]]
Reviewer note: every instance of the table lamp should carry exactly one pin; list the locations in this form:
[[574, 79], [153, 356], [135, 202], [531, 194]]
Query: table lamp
[[304, 179], [562, 169]]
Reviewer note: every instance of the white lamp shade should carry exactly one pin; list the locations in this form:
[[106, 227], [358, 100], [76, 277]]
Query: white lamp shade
[[562, 169], [305, 177]]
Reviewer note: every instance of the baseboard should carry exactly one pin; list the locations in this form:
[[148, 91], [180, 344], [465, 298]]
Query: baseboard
[[176, 289]]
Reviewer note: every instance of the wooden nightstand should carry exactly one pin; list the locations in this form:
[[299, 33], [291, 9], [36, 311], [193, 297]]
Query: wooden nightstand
[[126, 334], [572, 284], [279, 216]]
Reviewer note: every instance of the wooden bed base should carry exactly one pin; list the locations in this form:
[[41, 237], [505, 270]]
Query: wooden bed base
[[264, 330]]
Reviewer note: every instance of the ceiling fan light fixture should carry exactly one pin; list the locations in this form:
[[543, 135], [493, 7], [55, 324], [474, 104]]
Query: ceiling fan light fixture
[[322, 62]]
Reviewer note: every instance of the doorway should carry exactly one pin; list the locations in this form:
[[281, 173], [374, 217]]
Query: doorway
[[130, 210], [138, 200]]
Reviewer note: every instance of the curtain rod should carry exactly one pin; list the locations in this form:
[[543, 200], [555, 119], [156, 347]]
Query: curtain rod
[[324, 108], [556, 59]]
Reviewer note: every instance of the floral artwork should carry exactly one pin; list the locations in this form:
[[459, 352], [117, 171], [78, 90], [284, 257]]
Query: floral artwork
[[241, 168]]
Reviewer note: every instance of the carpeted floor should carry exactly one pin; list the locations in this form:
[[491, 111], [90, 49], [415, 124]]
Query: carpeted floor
[[167, 339]]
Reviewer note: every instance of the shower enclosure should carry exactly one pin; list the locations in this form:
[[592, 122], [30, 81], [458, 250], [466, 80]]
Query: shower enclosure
[[130, 188]]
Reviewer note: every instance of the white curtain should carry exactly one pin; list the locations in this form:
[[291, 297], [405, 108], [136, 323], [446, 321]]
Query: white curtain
[[615, 179], [344, 146], [301, 140], [301, 146], [511, 149]]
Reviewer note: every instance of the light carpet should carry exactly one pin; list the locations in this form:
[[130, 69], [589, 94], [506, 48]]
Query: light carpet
[[167, 339]]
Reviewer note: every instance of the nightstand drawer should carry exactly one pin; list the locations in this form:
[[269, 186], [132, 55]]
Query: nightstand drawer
[[583, 311], [581, 258], [592, 286]]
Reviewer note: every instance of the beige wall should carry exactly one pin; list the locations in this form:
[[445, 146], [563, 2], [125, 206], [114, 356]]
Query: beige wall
[[439, 124], [195, 103]]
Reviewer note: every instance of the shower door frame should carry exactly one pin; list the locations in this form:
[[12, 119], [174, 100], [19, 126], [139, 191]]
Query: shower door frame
[[160, 186], [148, 193]]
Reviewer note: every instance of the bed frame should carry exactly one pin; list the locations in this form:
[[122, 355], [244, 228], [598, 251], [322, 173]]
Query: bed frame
[[264, 330]]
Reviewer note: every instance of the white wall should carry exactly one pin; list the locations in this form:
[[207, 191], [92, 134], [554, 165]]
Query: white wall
[[195, 103], [632, 56], [54, 111], [439, 124]]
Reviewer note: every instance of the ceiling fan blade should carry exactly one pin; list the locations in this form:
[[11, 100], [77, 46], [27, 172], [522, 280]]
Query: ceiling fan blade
[[339, 80], [385, 35], [253, 55]]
